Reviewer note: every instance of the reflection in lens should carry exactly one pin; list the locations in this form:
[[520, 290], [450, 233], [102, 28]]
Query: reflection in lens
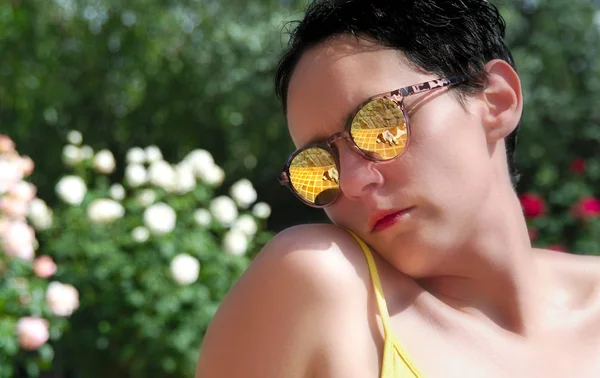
[[314, 176], [379, 129]]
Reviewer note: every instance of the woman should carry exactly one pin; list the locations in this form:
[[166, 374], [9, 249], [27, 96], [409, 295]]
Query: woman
[[405, 116]]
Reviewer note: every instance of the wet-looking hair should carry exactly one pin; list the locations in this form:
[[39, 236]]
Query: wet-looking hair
[[443, 37]]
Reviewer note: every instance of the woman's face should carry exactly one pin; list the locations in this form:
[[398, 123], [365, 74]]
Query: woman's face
[[445, 176]]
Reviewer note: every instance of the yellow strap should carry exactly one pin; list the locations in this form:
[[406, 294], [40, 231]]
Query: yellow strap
[[387, 369], [383, 310]]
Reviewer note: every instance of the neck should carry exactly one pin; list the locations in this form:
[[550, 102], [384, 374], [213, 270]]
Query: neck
[[496, 278]]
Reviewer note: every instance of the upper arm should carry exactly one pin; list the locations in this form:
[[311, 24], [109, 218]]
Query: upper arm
[[272, 322]]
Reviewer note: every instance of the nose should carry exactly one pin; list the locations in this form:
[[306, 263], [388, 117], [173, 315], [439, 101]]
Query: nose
[[358, 176]]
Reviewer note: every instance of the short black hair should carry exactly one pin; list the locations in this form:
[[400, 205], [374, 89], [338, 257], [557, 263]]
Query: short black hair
[[443, 37]]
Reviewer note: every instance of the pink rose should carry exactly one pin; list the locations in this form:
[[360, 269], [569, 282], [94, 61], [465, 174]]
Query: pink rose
[[10, 174], [586, 208], [18, 240], [32, 332], [23, 190], [26, 165], [6, 144], [533, 205], [44, 266], [14, 207]]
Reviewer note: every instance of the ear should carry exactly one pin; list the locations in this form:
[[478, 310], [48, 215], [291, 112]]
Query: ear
[[502, 99]]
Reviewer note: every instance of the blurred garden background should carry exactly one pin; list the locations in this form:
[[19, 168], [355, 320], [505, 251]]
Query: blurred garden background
[[139, 151]]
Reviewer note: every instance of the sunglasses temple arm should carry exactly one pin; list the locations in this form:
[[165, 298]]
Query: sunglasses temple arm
[[429, 85]]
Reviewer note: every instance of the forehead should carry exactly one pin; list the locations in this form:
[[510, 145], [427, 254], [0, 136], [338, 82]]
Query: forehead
[[333, 78]]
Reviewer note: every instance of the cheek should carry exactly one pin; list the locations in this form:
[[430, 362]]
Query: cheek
[[450, 157], [451, 136], [340, 214]]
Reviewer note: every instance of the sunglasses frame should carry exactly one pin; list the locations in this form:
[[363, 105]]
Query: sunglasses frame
[[397, 96]]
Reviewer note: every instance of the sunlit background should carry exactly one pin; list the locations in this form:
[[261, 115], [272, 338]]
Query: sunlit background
[[149, 134]]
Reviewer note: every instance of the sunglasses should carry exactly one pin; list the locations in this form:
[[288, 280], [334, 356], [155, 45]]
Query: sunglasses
[[378, 131]]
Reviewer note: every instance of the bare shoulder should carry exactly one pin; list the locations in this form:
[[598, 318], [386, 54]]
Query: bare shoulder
[[305, 245], [586, 267], [274, 319], [579, 273]]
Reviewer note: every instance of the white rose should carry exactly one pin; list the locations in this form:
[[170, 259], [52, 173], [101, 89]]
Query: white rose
[[160, 218], [104, 162], [261, 210], [235, 243], [243, 193], [87, 152], [117, 192], [202, 217], [40, 214], [199, 159], [62, 299], [185, 269], [71, 189], [146, 197], [140, 234], [223, 210], [18, 240], [136, 155], [74, 137], [246, 224], [212, 175], [153, 154], [71, 155], [32, 332], [135, 175], [104, 211], [162, 175], [185, 179], [10, 174]]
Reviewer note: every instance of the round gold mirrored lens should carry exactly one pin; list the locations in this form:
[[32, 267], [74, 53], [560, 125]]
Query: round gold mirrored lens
[[314, 176], [379, 129]]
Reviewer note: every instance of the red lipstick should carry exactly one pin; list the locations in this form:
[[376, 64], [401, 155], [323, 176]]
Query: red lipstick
[[385, 219]]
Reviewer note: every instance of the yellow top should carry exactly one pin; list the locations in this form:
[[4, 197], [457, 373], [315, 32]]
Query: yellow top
[[395, 362]]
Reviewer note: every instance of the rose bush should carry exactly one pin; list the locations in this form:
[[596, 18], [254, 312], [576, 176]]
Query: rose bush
[[152, 256], [32, 309], [566, 215], [556, 44]]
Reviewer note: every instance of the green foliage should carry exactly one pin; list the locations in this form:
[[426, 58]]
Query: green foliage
[[188, 74], [556, 44], [141, 313]]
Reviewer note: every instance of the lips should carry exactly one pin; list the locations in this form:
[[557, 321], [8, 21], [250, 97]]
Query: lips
[[385, 218]]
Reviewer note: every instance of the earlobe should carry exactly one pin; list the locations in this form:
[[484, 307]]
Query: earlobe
[[503, 100]]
